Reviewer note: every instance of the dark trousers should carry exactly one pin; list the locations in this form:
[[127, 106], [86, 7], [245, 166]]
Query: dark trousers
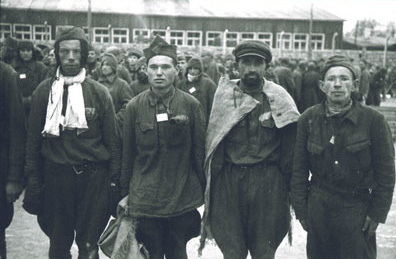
[[335, 227], [75, 206], [249, 211], [6, 214], [168, 236]]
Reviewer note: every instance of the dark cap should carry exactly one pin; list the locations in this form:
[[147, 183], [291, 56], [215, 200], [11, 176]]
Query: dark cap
[[69, 33], [337, 61], [160, 47], [253, 48], [25, 44]]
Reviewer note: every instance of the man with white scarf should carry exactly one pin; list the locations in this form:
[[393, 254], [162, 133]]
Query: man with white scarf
[[72, 154]]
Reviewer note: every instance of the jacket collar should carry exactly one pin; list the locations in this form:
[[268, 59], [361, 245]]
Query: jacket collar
[[351, 115]]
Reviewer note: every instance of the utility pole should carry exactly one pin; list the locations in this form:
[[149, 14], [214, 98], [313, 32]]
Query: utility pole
[[89, 23], [310, 34]]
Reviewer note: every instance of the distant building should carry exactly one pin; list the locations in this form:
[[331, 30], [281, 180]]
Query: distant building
[[181, 22]]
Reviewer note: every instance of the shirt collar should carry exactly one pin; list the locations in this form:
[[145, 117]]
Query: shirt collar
[[154, 99], [351, 115]]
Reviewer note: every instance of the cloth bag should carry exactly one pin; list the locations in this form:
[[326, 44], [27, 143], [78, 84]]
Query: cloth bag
[[118, 240]]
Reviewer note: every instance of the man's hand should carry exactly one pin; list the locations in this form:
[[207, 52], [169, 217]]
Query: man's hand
[[13, 190], [33, 200], [369, 226], [304, 225]]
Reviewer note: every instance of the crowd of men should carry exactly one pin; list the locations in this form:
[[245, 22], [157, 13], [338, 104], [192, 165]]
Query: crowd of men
[[243, 134]]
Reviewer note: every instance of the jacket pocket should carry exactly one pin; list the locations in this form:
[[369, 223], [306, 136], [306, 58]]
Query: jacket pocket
[[145, 134], [177, 134], [359, 154], [314, 148]]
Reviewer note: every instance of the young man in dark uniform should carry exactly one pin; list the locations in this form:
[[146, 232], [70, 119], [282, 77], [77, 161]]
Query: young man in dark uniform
[[162, 159]]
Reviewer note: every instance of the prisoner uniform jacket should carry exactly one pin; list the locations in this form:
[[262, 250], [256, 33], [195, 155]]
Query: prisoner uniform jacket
[[349, 156], [77, 169]]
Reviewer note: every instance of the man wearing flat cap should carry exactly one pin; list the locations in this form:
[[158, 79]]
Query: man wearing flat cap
[[72, 154], [249, 150], [162, 158], [348, 150]]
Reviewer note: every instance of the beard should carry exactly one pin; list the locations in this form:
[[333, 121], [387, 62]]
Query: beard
[[142, 77], [251, 79]]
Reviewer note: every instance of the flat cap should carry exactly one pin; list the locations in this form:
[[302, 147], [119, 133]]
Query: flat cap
[[253, 48], [160, 47], [338, 61], [134, 52], [70, 33]]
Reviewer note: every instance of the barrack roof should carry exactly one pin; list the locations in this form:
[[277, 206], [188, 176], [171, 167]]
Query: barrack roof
[[180, 8]]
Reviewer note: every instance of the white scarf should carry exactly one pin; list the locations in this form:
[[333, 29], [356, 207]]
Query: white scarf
[[75, 110]]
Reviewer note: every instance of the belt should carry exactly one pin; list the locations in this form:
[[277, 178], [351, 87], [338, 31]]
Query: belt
[[262, 164], [89, 166], [358, 192]]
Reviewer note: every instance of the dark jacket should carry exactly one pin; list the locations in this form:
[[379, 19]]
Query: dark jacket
[[30, 75], [286, 79], [362, 156], [203, 89], [121, 94], [12, 134], [98, 144], [310, 92], [162, 162]]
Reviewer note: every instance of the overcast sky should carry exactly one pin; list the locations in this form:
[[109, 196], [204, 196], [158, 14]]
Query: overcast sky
[[383, 11]]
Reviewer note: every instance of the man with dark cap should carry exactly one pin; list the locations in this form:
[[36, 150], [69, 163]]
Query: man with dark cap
[[30, 72], [141, 84], [119, 89], [347, 149], [72, 154], [162, 158], [198, 85], [249, 150], [12, 148]]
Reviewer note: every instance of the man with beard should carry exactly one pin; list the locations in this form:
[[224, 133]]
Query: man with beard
[[141, 84], [72, 152], [248, 162]]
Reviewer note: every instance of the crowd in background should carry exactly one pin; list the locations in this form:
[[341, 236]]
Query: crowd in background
[[299, 77]]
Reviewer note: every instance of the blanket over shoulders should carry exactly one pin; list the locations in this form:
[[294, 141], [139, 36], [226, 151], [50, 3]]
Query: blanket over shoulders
[[230, 106]]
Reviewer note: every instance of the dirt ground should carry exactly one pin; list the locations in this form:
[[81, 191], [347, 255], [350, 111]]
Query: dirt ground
[[26, 241]]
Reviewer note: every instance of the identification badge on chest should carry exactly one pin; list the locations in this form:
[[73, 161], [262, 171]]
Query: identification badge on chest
[[162, 117], [192, 90], [22, 76]]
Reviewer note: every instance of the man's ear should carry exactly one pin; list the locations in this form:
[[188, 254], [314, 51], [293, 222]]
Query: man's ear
[[321, 86], [355, 85], [235, 64]]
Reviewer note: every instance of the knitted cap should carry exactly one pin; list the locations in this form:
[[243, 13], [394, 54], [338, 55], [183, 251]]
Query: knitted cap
[[337, 61], [195, 62], [135, 52], [160, 47], [110, 59]]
